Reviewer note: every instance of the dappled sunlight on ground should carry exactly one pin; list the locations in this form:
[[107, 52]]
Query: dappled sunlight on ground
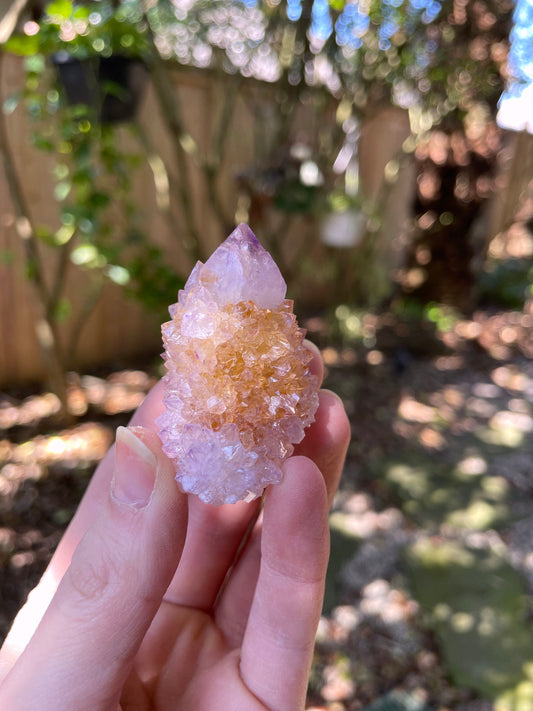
[[120, 392], [44, 470], [442, 449], [86, 443], [28, 412]]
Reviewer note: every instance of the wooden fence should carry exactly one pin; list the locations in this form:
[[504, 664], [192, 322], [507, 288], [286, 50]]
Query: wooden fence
[[112, 328], [118, 329]]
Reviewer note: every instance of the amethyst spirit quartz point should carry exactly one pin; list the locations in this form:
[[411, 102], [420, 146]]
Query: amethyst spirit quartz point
[[238, 389]]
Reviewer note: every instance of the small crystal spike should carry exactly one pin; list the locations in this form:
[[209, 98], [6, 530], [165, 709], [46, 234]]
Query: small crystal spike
[[238, 390]]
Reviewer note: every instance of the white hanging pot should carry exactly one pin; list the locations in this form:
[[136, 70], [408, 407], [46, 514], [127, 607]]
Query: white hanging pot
[[343, 229]]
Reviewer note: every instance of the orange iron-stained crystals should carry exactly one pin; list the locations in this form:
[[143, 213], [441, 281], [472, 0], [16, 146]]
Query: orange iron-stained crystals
[[238, 390]]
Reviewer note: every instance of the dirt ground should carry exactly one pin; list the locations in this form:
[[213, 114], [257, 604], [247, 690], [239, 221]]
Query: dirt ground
[[439, 468]]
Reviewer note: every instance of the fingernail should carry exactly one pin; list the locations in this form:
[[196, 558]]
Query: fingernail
[[135, 468]]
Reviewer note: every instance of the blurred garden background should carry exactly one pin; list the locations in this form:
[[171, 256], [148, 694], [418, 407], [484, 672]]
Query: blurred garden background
[[368, 146]]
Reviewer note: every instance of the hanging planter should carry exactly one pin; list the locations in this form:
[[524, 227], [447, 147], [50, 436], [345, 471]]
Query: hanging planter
[[343, 229], [111, 86], [98, 50], [345, 221]]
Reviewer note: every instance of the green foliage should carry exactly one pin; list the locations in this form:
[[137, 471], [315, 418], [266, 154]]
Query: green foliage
[[63, 309], [294, 197], [153, 282], [433, 56], [85, 31], [477, 606], [444, 317], [100, 221], [433, 494], [438, 59], [6, 257], [506, 283]]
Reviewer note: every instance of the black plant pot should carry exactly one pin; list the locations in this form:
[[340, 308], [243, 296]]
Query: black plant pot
[[112, 86]]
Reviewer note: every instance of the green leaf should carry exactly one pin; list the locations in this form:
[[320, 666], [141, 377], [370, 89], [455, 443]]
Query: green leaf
[[42, 143], [61, 171], [84, 254], [35, 64], [62, 190], [113, 88], [6, 256], [60, 10], [83, 178], [80, 111], [68, 217], [98, 200], [81, 12], [337, 5], [23, 45], [62, 309], [30, 269], [11, 103], [118, 275], [87, 226], [64, 234], [45, 234]]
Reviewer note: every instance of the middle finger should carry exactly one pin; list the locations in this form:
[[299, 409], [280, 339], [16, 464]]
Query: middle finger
[[213, 539]]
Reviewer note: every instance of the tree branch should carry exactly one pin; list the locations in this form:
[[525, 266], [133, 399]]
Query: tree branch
[[182, 141], [10, 18], [212, 166], [45, 328]]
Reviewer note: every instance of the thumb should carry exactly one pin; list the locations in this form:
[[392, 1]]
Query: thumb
[[83, 649]]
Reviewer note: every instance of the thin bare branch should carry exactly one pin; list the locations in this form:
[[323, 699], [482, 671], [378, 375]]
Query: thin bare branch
[[9, 17], [82, 317], [45, 328]]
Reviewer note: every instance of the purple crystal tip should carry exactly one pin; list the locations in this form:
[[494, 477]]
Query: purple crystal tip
[[242, 240], [243, 237], [241, 270]]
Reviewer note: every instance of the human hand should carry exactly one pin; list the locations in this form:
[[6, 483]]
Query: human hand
[[154, 600]]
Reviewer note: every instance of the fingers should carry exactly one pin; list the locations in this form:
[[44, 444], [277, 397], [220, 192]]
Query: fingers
[[316, 364], [93, 501], [97, 492], [325, 443], [233, 607], [213, 531], [213, 538], [149, 410], [279, 639], [326, 440], [83, 648]]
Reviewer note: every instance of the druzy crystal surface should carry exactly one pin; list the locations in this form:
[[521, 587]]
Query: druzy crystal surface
[[238, 390]]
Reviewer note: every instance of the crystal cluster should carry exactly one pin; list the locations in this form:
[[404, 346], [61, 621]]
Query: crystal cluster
[[238, 390]]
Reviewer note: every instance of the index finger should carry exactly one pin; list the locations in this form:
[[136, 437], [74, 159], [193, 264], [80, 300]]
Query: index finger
[[93, 499]]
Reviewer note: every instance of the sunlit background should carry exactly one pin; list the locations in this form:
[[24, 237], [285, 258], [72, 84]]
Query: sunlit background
[[382, 152]]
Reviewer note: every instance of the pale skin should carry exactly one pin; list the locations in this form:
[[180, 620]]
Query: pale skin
[[146, 604]]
